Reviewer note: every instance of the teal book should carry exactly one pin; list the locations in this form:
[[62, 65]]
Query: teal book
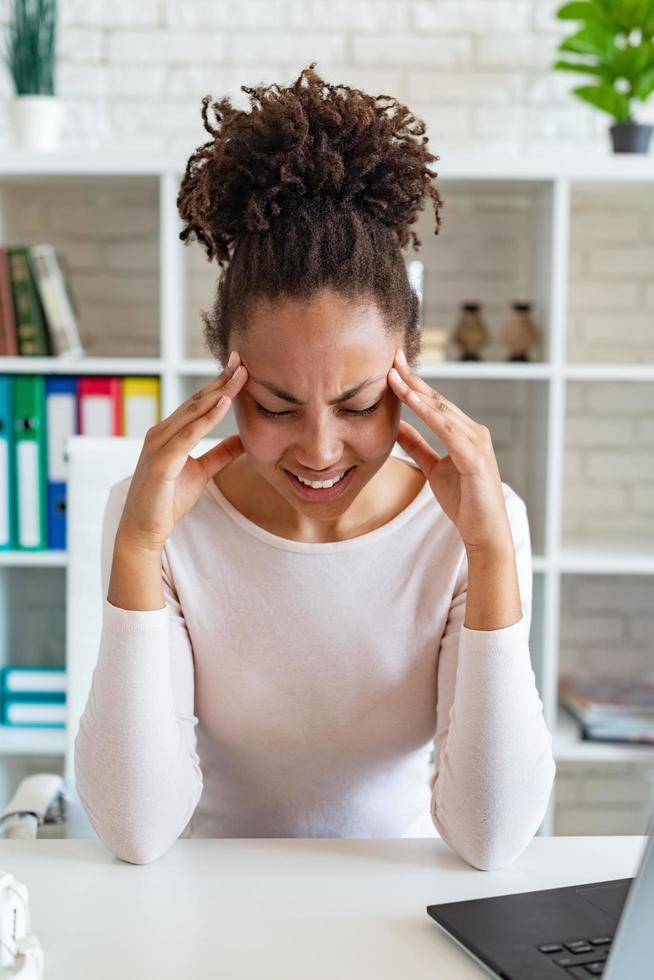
[[34, 714], [32, 683], [7, 517]]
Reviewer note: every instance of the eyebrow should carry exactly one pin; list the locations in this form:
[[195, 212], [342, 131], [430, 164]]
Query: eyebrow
[[288, 397]]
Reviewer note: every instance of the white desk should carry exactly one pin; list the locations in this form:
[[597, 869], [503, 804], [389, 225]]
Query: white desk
[[276, 909]]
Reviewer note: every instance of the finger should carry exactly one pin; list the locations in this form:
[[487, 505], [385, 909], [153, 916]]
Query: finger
[[219, 456], [446, 422], [182, 442], [413, 380], [190, 406], [199, 404], [417, 447]]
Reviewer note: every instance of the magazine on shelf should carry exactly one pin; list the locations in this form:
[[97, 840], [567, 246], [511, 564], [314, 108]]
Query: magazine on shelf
[[610, 709], [604, 697], [622, 730]]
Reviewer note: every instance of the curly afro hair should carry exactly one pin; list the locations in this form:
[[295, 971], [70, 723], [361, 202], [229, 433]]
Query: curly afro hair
[[316, 186]]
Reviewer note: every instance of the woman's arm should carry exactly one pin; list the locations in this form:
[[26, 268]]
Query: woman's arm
[[494, 767], [136, 767], [493, 593], [136, 580]]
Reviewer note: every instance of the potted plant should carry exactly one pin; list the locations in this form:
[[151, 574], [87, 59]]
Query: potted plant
[[30, 56], [614, 43]]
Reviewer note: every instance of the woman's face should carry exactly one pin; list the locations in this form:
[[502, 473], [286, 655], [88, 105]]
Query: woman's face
[[311, 352]]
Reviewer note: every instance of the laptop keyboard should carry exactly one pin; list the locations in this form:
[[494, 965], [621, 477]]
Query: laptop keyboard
[[580, 958]]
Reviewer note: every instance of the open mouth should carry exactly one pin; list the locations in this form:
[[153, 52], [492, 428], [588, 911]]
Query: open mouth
[[322, 493]]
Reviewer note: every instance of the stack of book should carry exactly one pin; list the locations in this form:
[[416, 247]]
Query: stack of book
[[38, 315], [37, 415], [33, 697], [611, 709], [433, 341]]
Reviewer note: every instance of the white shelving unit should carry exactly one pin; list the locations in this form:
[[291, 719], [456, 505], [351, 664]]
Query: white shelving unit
[[548, 187]]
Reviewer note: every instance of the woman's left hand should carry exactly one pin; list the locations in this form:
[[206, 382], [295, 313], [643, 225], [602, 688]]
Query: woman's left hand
[[466, 482]]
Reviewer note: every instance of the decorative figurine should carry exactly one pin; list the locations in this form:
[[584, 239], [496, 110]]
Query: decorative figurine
[[471, 333], [520, 333]]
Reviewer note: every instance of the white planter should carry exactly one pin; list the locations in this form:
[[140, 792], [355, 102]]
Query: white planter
[[37, 121]]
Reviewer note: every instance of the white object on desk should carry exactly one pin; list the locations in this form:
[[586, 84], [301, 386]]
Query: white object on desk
[[287, 908], [19, 952]]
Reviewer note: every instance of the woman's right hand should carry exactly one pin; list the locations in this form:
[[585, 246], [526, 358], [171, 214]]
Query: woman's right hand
[[167, 481]]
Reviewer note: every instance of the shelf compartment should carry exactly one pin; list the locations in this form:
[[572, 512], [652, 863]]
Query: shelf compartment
[[107, 230], [608, 488], [32, 614], [606, 626], [494, 247], [611, 292]]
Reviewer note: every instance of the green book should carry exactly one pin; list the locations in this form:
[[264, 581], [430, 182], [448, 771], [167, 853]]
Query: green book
[[31, 328]]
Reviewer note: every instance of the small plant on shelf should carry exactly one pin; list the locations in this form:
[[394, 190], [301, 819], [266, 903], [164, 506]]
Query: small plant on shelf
[[30, 56], [614, 43]]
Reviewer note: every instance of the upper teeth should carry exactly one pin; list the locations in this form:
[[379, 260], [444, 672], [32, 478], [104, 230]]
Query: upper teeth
[[317, 485]]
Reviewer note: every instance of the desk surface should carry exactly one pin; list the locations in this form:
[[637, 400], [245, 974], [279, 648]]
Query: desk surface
[[273, 909]]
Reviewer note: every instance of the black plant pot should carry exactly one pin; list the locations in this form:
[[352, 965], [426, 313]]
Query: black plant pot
[[630, 137]]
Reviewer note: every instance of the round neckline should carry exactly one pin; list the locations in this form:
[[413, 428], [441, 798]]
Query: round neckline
[[323, 547]]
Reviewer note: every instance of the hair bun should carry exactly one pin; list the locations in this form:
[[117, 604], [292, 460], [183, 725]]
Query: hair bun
[[298, 146]]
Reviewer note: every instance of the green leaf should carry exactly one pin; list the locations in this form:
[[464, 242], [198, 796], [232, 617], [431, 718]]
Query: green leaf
[[591, 39], [630, 14], [644, 86], [584, 10], [632, 61], [580, 66], [605, 98]]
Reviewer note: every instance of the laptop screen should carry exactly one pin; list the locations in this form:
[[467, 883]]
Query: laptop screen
[[631, 953]]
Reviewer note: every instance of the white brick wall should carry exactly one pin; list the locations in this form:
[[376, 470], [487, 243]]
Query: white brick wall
[[605, 800], [606, 622], [608, 494], [479, 70]]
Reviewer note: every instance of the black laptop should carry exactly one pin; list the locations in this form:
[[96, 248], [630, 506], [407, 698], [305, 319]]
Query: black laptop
[[598, 930]]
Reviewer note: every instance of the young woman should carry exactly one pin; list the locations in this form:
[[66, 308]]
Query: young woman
[[279, 659]]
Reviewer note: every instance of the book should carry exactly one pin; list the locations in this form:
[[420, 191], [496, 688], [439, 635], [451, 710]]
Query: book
[[59, 312], [635, 730], [31, 328], [33, 714], [8, 343], [28, 682], [603, 697]]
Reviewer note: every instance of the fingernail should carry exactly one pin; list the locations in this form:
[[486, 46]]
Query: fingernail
[[401, 358], [232, 359]]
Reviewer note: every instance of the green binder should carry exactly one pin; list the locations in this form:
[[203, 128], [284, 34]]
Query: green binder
[[30, 446]]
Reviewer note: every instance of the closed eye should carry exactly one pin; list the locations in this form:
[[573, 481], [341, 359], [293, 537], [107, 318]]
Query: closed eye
[[348, 411]]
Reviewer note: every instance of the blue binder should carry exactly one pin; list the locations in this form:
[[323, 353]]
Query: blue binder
[[7, 502], [61, 415]]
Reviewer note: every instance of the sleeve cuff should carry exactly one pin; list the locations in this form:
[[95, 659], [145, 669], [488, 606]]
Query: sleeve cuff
[[124, 621], [482, 641]]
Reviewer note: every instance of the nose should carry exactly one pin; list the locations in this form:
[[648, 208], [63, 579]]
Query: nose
[[320, 446]]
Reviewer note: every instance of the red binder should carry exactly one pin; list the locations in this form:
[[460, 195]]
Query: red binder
[[99, 406]]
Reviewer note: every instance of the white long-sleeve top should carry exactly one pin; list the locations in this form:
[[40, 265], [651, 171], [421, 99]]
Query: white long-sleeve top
[[297, 689]]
